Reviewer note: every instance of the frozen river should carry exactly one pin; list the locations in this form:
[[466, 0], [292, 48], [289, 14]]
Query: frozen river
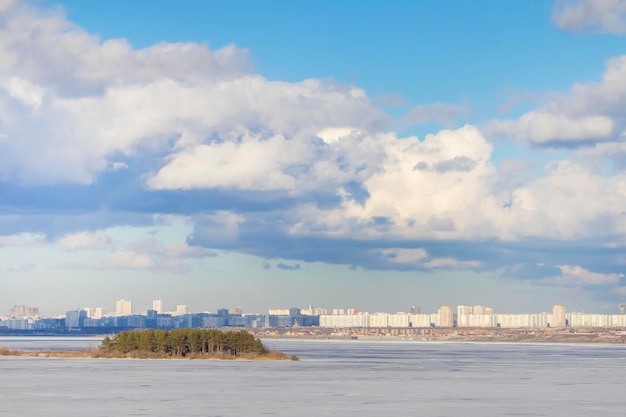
[[333, 378]]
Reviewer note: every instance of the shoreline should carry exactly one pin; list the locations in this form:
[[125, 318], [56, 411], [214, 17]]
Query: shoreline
[[99, 354], [490, 335]]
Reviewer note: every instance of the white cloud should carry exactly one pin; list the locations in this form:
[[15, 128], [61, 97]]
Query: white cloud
[[23, 90], [22, 240], [6, 5], [604, 16], [435, 188], [574, 275], [334, 134], [419, 258], [252, 164], [72, 107], [543, 127], [446, 187], [126, 259], [84, 240], [87, 102], [117, 166], [588, 113], [569, 202], [405, 256], [450, 263]]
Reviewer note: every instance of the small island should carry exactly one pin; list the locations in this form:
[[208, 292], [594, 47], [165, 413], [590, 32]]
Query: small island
[[169, 344]]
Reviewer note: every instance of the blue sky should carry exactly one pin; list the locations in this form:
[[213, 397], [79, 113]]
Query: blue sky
[[373, 155]]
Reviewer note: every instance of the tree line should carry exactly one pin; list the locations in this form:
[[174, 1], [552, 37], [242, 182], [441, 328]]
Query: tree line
[[183, 342]]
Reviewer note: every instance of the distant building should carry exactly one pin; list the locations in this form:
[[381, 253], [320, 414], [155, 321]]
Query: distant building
[[181, 310], [278, 311], [18, 310], [423, 320], [21, 311], [75, 319], [446, 316], [479, 310], [95, 313], [622, 308], [236, 310], [123, 308], [344, 320], [17, 324], [558, 316], [158, 306], [309, 311]]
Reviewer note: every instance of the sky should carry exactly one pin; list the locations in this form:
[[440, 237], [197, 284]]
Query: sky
[[371, 155]]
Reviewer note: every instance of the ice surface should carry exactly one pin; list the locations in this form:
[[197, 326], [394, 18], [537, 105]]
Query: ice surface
[[350, 378]]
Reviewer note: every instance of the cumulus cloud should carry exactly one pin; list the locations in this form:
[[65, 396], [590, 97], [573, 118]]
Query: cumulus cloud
[[603, 16], [84, 240], [251, 164], [545, 128], [29, 94], [6, 5], [574, 275], [589, 113], [22, 240], [419, 258], [288, 170], [425, 189], [151, 254], [126, 259], [82, 103], [405, 256]]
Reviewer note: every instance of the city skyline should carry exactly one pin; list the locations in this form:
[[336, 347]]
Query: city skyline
[[367, 154], [125, 307], [90, 320]]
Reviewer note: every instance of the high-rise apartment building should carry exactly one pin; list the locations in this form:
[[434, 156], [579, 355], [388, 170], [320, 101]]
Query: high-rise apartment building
[[478, 310], [622, 308], [446, 316], [123, 308], [18, 310], [181, 310], [278, 312], [558, 316], [75, 318], [158, 306], [307, 311], [100, 312], [21, 311], [462, 310], [95, 312]]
